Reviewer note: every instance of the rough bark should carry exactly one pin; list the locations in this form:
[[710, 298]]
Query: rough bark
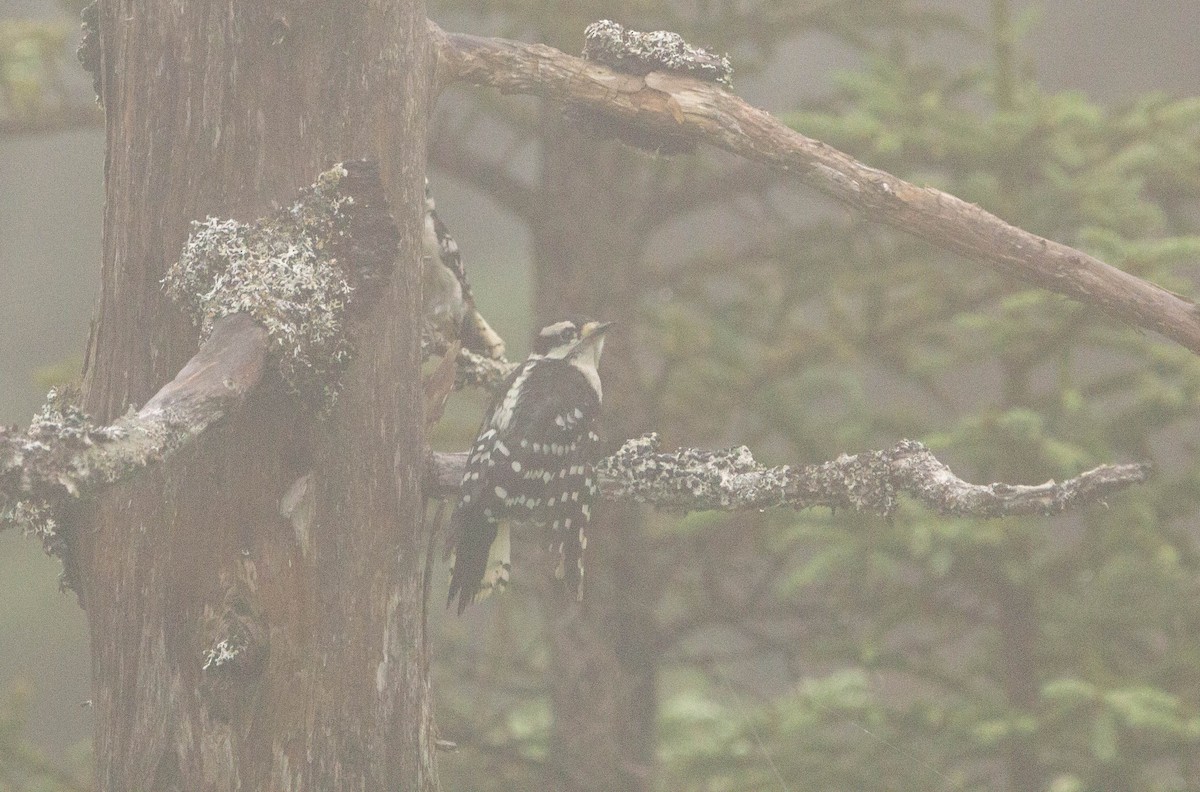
[[231, 648], [681, 109]]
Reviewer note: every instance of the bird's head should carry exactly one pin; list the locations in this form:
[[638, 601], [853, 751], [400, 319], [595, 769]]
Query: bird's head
[[571, 339]]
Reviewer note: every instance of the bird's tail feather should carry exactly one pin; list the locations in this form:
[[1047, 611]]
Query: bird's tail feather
[[481, 560]]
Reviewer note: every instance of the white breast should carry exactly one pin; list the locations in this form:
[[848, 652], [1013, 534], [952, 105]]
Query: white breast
[[586, 364]]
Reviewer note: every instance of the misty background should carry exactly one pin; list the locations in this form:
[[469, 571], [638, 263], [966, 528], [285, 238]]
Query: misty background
[[50, 225]]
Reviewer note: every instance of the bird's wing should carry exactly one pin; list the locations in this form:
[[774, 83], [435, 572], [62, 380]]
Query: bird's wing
[[558, 464], [475, 522]]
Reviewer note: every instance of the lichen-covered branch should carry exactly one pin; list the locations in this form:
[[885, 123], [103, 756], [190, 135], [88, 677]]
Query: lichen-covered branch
[[677, 107], [638, 52], [63, 455], [277, 288], [690, 479]]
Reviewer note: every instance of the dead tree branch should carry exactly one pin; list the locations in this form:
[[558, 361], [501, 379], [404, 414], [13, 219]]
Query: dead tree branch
[[675, 106], [63, 455], [690, 479], [279, 288]]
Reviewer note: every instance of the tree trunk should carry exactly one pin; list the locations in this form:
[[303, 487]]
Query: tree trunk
[[603, 656], [224, 108]]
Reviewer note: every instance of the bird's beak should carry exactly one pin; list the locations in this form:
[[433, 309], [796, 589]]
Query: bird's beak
[[593, 330], [591, 339]]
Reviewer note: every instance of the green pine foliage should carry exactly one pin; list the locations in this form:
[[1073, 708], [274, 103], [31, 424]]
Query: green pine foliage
[[33, 56], [930, 653]]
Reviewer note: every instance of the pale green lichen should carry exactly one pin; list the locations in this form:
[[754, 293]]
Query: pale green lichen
[[282, 270], [64, 429], [224, 653], [33, 518], [639, 52], [48, 462]]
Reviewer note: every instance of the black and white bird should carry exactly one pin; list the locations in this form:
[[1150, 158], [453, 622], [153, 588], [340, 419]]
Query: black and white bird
[[450, 308], [532, 462]]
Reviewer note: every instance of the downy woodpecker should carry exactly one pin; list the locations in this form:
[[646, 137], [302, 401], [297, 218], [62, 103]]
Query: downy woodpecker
[[449, 304], [532, 462]]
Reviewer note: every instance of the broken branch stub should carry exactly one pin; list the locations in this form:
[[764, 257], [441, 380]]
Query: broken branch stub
[[63, 455], [278, 287], [295, 272], [474, 370]]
